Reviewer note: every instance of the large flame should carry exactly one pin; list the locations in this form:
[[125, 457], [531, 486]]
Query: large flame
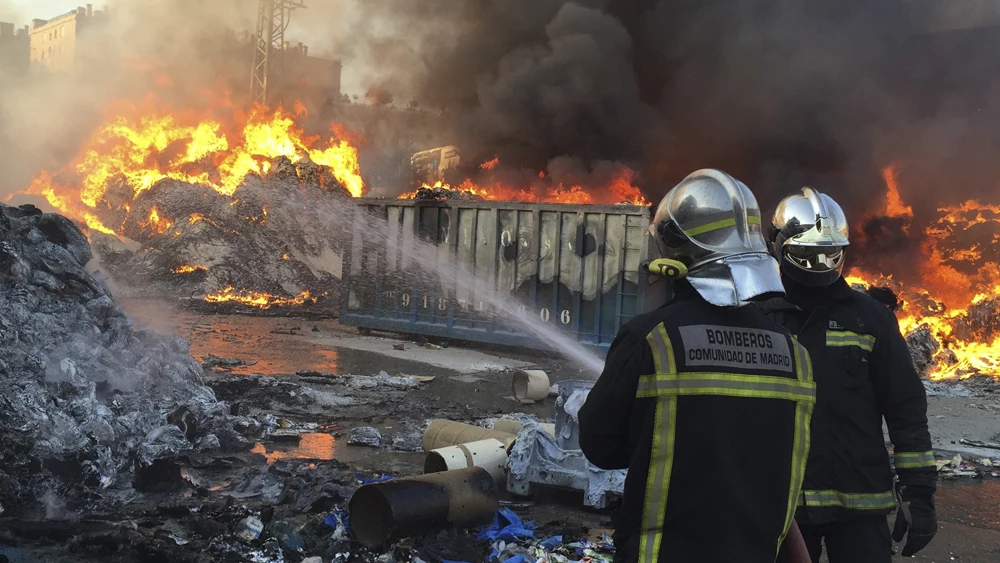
[[145, 145], [619, 189], [940, 300]]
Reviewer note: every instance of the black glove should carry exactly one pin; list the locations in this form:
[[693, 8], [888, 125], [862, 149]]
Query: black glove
[[916, 514]]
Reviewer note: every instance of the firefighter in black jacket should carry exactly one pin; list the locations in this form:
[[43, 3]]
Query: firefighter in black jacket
[[863, 374], [704, 400]]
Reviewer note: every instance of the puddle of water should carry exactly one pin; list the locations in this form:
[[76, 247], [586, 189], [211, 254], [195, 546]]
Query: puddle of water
[[266, 341], [975, 503], [317, 446]]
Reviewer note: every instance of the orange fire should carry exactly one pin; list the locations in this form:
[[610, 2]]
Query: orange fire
[[188, 269], [46, 187], [157, 223], [941, 299], [893, 201], [258, 299], [145, 145], [619, 190]]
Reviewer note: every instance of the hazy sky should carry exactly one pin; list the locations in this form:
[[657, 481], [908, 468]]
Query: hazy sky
[[45, 9], [21, 12]]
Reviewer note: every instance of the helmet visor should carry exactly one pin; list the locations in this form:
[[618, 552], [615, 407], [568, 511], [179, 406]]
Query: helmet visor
[[815, 258]]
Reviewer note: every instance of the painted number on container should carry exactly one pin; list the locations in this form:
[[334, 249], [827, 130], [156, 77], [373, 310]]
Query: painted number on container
[[443, 304]]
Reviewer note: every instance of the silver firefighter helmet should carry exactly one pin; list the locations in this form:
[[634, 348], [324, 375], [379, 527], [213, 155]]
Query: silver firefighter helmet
[[711, 223], [808, 235]]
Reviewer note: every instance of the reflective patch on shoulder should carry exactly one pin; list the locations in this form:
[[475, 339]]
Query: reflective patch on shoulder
[[735, 347]]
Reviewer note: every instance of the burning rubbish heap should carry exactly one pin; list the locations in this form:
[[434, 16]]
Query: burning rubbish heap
[[252, 250], [238, 213], [947, 309], [90, 405]]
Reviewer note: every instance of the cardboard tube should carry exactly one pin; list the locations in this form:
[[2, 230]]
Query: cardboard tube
[[444, 433], [514, 427], [490, 454], [508, 426], [382, 512], [531, 385]]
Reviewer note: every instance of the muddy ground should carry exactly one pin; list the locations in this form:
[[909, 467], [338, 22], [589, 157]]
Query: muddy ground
[[296, 372]]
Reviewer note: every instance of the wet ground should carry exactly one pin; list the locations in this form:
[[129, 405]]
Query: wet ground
[[467, 385]]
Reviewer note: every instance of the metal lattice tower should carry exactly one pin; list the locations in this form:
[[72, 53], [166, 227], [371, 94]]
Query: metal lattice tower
[[268, 56]]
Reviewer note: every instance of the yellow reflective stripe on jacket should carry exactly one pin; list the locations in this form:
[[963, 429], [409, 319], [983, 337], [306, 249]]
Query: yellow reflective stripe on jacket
[[667, 385], [663, 352], [855, 501], [803, 363], [728, 384], [800, 439], [661, 460], [914, 460], [661, 463], [847, 338]]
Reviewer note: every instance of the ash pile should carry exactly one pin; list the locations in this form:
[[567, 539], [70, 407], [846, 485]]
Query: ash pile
[[90, 408], [277, 241]]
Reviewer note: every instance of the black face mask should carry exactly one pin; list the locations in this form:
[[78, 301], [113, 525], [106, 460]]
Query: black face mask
[[803, 296]]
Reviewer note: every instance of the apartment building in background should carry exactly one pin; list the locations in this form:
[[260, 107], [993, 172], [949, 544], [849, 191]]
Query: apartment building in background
[[66, 43]]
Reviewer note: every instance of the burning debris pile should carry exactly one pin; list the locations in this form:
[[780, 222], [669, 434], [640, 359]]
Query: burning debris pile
[[947, 309], [275, 244], [89, 405], [236, 213]]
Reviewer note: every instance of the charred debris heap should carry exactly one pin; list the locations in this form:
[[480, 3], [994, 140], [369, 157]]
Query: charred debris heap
[[88, 405], [99, 421]]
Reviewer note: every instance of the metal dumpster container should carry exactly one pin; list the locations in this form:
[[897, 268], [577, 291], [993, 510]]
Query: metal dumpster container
[[473, 270]]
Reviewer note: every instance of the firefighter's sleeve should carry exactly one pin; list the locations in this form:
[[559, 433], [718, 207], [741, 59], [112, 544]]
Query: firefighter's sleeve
[[604, 418], [903, 403]]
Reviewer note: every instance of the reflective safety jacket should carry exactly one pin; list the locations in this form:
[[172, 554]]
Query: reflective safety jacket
[[864, 373], [709, 409]]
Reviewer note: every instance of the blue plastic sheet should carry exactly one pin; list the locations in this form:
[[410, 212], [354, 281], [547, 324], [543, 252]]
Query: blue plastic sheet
[[369, 480], [507, 526], [337, 517], [551, 543]]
